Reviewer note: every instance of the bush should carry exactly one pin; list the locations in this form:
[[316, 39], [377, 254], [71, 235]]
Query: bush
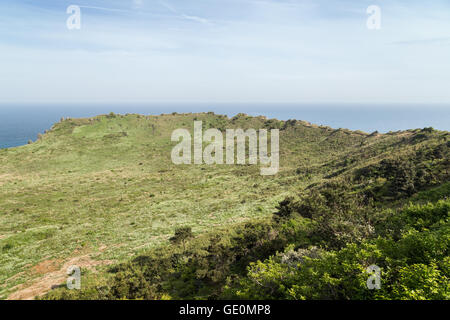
[[181, 236]]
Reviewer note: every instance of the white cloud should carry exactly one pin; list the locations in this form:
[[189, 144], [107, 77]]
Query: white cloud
[[138, 4], [172, 9]]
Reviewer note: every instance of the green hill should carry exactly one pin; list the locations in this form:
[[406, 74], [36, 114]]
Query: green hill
[[103, 193]]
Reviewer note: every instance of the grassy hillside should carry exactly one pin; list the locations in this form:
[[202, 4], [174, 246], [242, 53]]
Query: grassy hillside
[[101, 191]]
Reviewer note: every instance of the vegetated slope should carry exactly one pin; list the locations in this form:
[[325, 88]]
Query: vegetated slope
[[106, 187]]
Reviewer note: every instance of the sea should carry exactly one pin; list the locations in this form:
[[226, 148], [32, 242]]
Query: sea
[[20, 123]]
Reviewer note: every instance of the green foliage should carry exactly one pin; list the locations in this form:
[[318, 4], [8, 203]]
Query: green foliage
[[413, 267], [421, 282], [182, 235], [132, 284], [340, 217], [401, 177]]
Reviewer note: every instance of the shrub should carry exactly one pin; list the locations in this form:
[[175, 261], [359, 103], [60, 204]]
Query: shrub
[[182, 235]]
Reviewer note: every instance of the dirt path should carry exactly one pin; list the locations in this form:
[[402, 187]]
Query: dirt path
[[54, 273]]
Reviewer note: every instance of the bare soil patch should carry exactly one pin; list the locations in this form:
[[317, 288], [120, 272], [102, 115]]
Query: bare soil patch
[[54, 273]]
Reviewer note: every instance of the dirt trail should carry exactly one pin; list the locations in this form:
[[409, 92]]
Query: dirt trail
[[54, 273]]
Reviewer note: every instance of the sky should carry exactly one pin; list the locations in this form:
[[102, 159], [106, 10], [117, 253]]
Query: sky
[[225, 51]]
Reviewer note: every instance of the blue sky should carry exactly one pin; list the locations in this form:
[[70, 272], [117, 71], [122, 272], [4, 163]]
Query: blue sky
[[225, 51]]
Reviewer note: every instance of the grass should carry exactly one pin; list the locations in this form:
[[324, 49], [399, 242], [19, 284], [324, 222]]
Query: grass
[[106, 185]]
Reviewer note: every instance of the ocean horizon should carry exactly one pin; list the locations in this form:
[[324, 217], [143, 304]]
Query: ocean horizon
[[20, 123]]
